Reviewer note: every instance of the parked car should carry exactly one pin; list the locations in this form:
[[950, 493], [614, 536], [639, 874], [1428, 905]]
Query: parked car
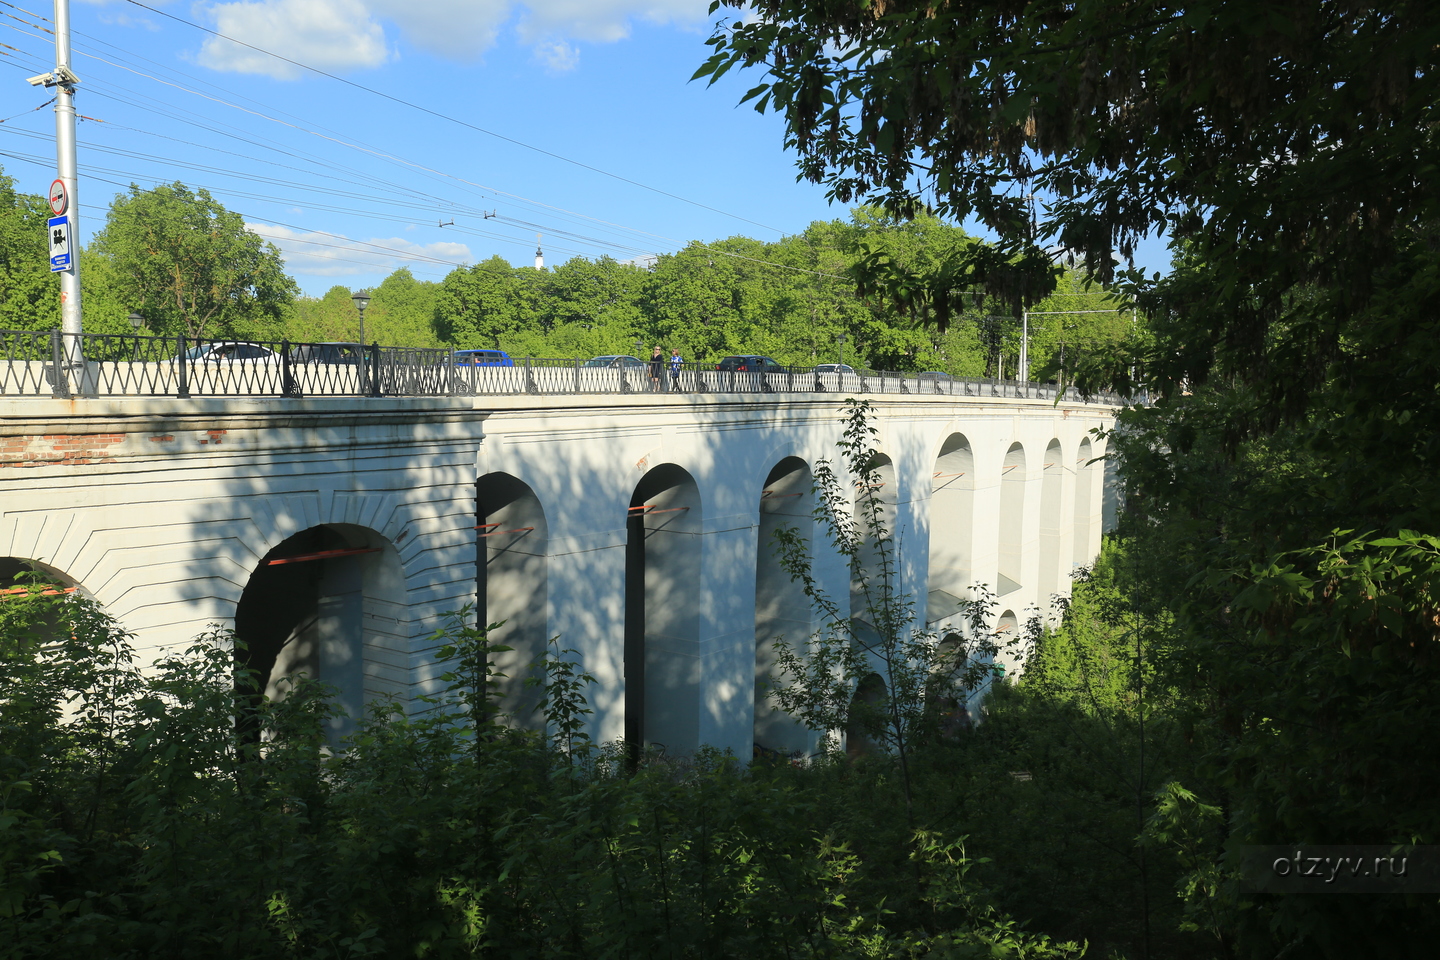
[[483, 358], [751, 363], [231, 350], [337, 352], [933, 375], [615, 361], [834, 368]]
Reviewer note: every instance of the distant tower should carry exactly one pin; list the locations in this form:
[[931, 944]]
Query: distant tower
[[539, 254]]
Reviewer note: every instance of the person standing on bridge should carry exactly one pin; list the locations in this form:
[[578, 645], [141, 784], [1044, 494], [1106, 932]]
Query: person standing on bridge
[[676, 362], [657, 367]]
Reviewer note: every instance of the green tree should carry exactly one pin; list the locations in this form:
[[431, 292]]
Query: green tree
[[481, 305], [190, 267], [29, 293], [326, 319], [402, 311]]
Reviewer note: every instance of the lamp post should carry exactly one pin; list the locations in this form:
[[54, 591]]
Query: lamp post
[[362, 300], [136, 322], [840, 346]]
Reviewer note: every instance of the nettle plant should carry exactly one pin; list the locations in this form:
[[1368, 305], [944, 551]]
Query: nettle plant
[[828, 683]]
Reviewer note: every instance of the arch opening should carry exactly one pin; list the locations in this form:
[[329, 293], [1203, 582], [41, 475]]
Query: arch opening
[[1052, 477], [867, 701], [952, 517], [1009, 576], [16, 579], [948, 698], [328, 603], [781, 607], [662, 613], [513, 586]]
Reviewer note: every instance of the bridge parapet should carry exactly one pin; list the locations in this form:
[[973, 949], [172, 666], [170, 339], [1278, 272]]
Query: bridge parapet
[[58, 365]]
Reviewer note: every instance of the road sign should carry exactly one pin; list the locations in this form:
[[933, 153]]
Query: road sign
[[60, 258], [59, 197]]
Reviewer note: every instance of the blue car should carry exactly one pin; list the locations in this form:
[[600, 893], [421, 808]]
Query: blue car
[[483, 358]]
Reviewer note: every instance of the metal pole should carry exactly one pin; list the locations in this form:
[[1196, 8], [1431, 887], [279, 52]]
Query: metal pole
[[64, 82], [1024, 346]]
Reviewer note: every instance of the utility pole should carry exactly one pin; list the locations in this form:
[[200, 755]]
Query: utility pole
[[63, 81], [1024, 346]]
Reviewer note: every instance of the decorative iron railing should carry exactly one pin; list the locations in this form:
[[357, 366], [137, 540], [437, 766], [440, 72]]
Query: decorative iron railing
[[54, 364]]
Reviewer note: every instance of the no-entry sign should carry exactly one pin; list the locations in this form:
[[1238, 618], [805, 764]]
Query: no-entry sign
[[59, 197]]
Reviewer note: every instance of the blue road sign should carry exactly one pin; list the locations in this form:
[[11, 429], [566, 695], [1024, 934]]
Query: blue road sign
[[59, 244]]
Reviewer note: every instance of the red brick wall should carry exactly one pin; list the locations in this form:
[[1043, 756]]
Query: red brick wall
[[72, 448]]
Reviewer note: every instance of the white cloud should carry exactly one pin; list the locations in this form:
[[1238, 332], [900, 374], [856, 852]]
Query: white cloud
[[328, 34], [557, 55], [455, 29], [345, 35], [319, 254], [603, 21]]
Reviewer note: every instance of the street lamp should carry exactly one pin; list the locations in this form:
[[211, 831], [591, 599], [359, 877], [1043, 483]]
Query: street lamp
[[136, 322], [362, 300], [840, 345]]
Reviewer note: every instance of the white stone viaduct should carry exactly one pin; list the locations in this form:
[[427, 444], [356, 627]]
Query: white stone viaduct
[[637, 528]]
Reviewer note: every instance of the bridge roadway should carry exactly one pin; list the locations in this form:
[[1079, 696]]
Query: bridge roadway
[[634, 527]]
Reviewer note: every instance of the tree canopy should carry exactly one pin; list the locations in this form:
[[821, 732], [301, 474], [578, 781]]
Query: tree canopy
[[189, 266], [1290, 148]]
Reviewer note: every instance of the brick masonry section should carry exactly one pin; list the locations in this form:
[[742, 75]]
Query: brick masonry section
[[64, 449]]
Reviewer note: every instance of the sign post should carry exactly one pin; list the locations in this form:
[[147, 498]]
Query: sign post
[[64, 225]]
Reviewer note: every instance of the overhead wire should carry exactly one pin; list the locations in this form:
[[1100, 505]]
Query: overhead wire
[[551, 210], [453, 119]]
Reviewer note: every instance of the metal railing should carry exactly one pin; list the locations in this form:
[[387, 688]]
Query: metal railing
[[53, 364]]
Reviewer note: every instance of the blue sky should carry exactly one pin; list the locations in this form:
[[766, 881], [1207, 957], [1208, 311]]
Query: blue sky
[[351, 185]]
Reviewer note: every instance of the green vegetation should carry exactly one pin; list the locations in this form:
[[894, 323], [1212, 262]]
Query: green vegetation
[[137, 819], [791, 299], [1282, 526]]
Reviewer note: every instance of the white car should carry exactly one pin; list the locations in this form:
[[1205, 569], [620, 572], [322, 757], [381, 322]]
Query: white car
[[231, 350]]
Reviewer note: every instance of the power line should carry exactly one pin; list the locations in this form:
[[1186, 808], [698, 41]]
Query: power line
[[435, 113], [384, 155]]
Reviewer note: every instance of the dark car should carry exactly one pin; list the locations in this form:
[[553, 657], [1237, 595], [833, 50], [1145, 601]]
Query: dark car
[[483, 358], [933, 375], [338, 352], [751, 363]]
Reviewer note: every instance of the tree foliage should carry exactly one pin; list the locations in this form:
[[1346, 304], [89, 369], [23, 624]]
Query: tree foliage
[[190, 267], [148, 823], [29, 293], [1292, 148]]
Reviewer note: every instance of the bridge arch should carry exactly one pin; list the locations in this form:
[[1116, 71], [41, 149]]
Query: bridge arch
[[13, 581], [1052, 479], [1010, 575], [664, 525], [13, 569], [328, 602], [512, 586], [781, 607], [952, 518]]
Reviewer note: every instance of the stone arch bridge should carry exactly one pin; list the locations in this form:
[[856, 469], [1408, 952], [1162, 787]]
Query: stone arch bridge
[[333, 534]]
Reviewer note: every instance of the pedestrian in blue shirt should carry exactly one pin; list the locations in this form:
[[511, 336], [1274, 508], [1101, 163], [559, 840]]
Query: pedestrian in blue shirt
[[676, 361]]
